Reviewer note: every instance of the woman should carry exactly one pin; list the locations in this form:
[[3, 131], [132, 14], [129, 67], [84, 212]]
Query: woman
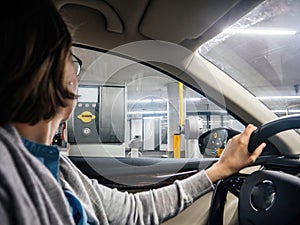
[[38, 89]]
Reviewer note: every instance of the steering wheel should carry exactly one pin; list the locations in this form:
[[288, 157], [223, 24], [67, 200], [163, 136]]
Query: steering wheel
[[262, 195]]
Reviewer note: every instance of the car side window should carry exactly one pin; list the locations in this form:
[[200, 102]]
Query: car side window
[[127, 109]]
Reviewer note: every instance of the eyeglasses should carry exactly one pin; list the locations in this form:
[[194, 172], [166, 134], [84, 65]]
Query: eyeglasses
[[77, 63]]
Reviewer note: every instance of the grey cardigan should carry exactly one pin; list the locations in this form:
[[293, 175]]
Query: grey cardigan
[[29, 194]]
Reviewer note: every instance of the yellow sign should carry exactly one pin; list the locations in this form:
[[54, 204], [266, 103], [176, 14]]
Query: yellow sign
[[86, 117]]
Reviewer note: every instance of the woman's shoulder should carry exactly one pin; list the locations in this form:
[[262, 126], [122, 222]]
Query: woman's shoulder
[[11, 144], [9, 134]]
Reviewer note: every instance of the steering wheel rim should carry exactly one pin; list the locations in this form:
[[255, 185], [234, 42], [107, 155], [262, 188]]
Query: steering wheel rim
[[271, 128], [233, 183]]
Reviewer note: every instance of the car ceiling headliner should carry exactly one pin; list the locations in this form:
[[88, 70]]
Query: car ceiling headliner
[[109, 24]]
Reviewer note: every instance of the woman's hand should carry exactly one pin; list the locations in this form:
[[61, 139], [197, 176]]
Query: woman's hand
[[235, 156]]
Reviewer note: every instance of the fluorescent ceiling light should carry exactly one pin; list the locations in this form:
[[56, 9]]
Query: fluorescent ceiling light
[[195, 99], [146, 100], [157, 100], [260, 31], [278, 97], [284, 111], [152, 117], [147, 112]]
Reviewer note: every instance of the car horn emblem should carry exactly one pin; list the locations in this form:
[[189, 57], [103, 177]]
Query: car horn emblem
[[86, 117]]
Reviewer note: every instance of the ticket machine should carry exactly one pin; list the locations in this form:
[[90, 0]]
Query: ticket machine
[[85, 120], [97, 126]]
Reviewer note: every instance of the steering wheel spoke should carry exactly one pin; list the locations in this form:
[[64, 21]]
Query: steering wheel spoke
[[231, 184], [234, 183]]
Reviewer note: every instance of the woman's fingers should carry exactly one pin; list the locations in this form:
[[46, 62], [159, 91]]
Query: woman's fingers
[[258, 151], [236, 156]]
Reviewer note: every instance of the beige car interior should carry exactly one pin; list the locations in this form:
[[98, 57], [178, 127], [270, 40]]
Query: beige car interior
[[110, 24]]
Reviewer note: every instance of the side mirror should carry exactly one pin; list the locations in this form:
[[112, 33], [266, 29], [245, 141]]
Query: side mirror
[[212, 142]]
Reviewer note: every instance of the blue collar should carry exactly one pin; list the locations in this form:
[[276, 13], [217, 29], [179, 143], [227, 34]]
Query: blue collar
[[48, 155]]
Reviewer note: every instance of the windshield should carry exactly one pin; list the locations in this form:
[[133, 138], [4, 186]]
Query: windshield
[[261, 51]]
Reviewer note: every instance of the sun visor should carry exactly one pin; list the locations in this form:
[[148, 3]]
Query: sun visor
[[91, 9], [192, 18]]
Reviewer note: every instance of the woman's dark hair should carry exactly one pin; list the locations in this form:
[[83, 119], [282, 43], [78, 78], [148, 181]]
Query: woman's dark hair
[[35, 46]]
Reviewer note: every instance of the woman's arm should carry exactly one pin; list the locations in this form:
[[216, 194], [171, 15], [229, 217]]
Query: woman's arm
[[157, 205], [154, 206]]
